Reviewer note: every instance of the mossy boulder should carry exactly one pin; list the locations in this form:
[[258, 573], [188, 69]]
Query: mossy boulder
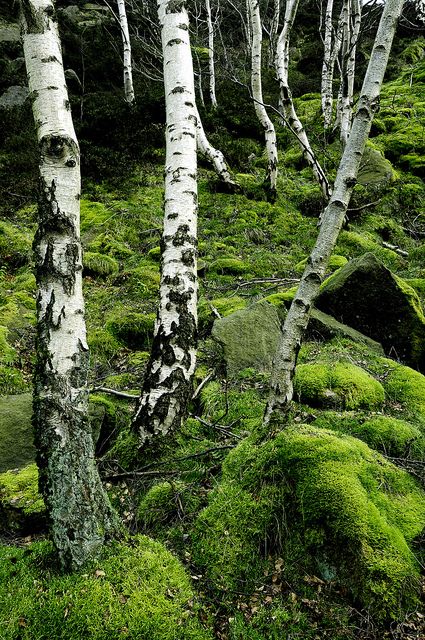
[[375, 169], [99, 265], [16, 435], [391, 436], [230, 266], [367, 296], [407, 387], [347, 515], [136, 590], [326, 384], [324, 327], [15, 245], [21, 506], [249, 337]]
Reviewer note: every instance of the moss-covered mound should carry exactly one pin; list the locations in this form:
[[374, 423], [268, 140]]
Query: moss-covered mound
[[138, 590], [325, 384], [21, 506], [16, 436], [325, 502]]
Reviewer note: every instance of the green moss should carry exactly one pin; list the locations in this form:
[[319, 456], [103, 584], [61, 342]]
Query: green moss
[[391, 436], [340, 505], [340, 384], [137, 590], [11, 381], [335, 262], [16, 436], [407, 387], [135, 330], [15, 245], [142, 282], [7, 353], [352, 244], [20, 489], [98, 264], [282, 298], [155, 254], [230, 266], [103, 345], [224, 306]]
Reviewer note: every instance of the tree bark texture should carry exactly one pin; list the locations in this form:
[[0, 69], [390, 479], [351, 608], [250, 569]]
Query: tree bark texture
[[80, 514], [289, 113], [211, 62], [328, 66], [128, 71], [257, 94], [167, 386], [298, 316], [349, 67]]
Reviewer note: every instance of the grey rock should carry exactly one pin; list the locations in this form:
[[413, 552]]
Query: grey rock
[[13, 97]]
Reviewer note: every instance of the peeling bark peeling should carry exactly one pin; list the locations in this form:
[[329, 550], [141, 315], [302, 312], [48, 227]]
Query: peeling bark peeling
[[290, 115], [167, 386], [211, 64], [128, 71], [257, 94], [80, 514], [297, 319], [214, 155]]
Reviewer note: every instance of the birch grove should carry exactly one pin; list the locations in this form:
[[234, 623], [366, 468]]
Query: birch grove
[[65, 453], [286, 101], [168, 381], [298, 316], [257, 94], [128, 71]]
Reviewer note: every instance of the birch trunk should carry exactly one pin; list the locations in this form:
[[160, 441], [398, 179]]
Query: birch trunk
[[211, 64], [79, 511], [257, 94], [214, 155], [274, 27], [328, 67], [297, 319], [128, 72], [345, 48], [290, 115], [350, 68], [167, 386]]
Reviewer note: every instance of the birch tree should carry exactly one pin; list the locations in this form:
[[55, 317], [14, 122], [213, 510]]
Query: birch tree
[[80, 514], [168, 382], [215, 156], [211, 61], [286, 101], [128, 72], [351, 34], [257, 94], [298, 316]]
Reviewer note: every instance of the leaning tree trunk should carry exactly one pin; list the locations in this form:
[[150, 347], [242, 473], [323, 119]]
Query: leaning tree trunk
[[289, 113], [214, 155], [350, 68], [211, 63], [297, 319], [128, 71], [167, 386], [79, 511], [257, 94]]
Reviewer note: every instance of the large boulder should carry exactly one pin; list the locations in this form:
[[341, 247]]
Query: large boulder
[[14, 97], [16, 435], [367, 296], [249, 337]]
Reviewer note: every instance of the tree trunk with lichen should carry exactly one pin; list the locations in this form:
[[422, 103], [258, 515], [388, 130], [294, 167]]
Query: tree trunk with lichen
[[81, 517], [257, 94], [167, 385], [290, 115], [298, 316], [211, 61], [128, 70], [349, 67]]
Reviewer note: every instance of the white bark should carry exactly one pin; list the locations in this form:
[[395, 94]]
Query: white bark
[[298, 316], [128, 71], [211, 63], [214, 155], [78, 508], [168, 381], [257, 94], [354, 22], [289, 113], [345, 48], [327, 68], [274, 27]]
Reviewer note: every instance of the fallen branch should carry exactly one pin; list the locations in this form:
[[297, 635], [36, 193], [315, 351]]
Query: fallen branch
[[119, 394]]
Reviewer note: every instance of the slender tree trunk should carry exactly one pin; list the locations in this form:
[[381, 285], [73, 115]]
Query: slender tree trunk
[[290, 115], [274, 27], [128, 72], [214, 155], [327, 82], [350, 68], [168, 382], [257, 94], [327, 68], [80, 514], [211, 64], [345, 48], [297, 319]]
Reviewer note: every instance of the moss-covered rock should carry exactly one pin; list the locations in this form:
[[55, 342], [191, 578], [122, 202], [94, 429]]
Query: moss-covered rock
[[375, 169], [15, 245], [98, 264], [249, 337], [21, 506], [393, 437], [230, 266], [347, 514], [407, 387], [367, 296], [324, 327], [135, 330], [16, 435], [344, 385], [335, 262], [137, 590]]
